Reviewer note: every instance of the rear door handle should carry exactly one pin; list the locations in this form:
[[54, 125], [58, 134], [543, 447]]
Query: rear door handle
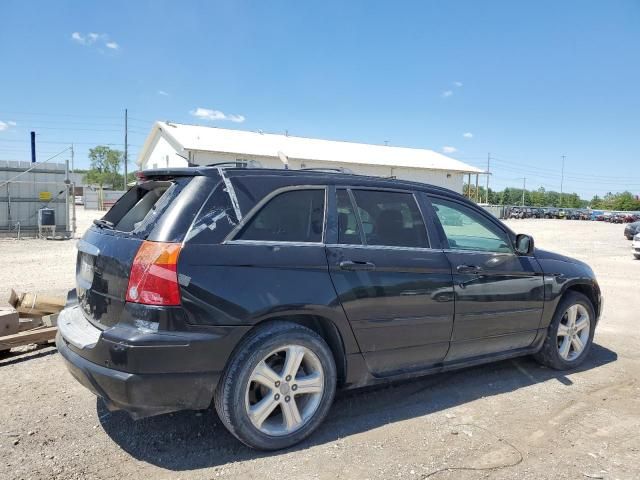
[[355, 265], [468, 269]]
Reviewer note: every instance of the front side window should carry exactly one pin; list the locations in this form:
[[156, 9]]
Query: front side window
[[469, 230], [293, 216], [390, 219]]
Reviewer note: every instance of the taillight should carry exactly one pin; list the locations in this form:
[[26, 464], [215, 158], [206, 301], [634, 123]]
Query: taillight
[[154, 274]]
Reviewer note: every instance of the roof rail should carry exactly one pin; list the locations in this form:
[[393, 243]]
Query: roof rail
[[329, 170], [240, 163]]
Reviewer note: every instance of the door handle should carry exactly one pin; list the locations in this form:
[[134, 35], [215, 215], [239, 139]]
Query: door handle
[[355, 265], [468, 269]]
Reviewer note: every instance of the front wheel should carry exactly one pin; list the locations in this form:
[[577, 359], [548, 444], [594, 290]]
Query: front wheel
[[570, 334], [636, 256], [278, 387]]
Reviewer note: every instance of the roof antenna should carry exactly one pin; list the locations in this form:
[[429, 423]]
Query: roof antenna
[[284, 159]]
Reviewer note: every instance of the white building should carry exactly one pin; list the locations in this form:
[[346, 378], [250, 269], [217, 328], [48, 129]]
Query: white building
[[176, 145]]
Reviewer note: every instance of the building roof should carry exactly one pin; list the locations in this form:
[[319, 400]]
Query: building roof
[[241, 142]]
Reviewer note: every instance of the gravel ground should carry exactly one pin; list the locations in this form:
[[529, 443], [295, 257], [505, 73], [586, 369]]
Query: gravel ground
[[513, 419]]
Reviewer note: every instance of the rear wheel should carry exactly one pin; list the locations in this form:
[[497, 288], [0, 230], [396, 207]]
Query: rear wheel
[[278, 387], [570, 334], [637, 256]]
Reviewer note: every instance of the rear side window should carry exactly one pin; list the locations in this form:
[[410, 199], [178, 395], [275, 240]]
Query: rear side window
[[293, 216], [391, 219]]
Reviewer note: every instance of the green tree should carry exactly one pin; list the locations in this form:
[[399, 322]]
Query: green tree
[[105, 167]]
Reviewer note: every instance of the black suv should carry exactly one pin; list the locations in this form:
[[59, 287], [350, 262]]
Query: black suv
[[265, 290]]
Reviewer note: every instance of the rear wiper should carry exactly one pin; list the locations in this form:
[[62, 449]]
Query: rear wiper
[[102, 223]]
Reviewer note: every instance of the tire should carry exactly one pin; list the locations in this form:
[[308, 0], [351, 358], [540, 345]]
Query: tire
[[550, 353], [636, 256], [263, 354]]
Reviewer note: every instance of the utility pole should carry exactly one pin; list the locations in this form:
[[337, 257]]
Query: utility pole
[[487, 186], [562, 179], [72, 169], [524, 188], [126, 158]]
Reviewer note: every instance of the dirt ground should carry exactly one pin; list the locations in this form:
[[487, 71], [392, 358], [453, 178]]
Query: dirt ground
[[509, 420]]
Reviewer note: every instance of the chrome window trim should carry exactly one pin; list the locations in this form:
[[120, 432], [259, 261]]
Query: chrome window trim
[[231, 237], [274, 243], [383, 247]]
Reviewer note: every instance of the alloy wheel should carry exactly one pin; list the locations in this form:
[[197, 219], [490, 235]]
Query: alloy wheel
[[284, 390], [573, 332]]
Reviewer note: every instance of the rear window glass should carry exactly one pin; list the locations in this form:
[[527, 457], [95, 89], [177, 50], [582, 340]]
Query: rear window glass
[[139, 209], [293, 216]]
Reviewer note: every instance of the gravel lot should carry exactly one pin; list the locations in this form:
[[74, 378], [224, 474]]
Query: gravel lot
[[513, 419]]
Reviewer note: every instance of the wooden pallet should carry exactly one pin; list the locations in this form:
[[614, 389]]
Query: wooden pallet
[[36, 335]]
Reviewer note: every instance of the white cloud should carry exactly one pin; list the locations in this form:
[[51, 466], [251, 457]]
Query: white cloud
[[76, 36], [209, 114], [236, 118], [91, 38], [447, 93], [163, 93], [467, 135], [457, 84], [448, 149], [6, 125]]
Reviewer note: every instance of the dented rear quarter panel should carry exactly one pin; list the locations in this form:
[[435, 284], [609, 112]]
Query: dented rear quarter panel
[[235, 284]]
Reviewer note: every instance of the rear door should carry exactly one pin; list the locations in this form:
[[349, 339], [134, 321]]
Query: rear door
[[395, 289], [499, 296]]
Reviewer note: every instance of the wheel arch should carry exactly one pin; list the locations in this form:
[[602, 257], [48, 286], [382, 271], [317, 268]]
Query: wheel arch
[[323, 326], [589, 290]]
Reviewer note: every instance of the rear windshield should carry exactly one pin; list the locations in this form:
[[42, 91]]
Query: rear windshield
[[138, 210]]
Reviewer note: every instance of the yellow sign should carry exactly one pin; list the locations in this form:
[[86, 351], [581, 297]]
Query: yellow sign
[[45, 196]]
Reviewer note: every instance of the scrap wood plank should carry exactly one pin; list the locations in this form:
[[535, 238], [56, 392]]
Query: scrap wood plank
[[36, 304], [37, 335]]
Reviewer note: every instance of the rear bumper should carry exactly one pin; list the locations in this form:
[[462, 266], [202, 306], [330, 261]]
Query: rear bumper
[[142, 395], [145, 373]]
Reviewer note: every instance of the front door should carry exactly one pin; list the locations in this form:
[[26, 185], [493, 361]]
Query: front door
[[499, 295], [396, 290]]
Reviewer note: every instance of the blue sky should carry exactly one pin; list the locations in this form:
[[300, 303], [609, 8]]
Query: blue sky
[[529, 81]]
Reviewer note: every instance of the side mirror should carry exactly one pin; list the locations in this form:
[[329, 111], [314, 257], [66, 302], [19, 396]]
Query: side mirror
[[524, 244]]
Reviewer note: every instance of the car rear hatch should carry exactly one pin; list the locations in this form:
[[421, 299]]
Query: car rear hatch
[[161, 208]]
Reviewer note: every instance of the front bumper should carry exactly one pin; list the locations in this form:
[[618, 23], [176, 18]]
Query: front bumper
[[145, 373]]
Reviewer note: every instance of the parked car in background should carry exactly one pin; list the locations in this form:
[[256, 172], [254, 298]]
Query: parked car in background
[[585, 215], [617, 218], [562, 213], [635, 246], [572, 214], [535, 212], [551, 213], [631, 229], [266, 290], [516, 212]]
